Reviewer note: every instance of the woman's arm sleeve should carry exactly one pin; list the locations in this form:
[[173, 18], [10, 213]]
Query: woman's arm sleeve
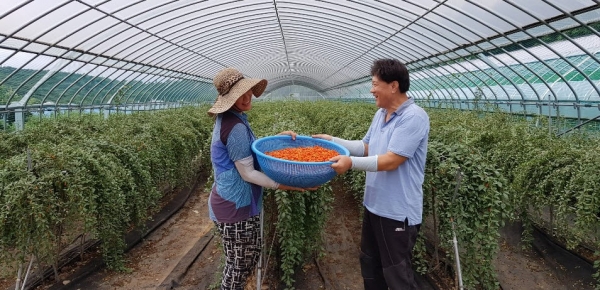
[[245, 167]]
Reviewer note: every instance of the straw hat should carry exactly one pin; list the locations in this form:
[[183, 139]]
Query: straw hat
[[231, 85]]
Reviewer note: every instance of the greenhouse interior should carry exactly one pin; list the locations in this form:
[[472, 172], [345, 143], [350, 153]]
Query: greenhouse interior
[[104, 129]]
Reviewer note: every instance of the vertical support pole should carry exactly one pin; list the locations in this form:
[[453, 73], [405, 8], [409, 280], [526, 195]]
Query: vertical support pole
[[458, 270], [260, 257], [19, 119], [552, 221], [18, 283], [454, 240], [549, 117]]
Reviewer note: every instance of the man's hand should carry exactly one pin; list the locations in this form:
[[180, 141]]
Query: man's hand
[[341, 163]]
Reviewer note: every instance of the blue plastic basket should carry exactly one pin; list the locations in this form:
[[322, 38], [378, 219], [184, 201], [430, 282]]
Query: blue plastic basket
[[294, 173]]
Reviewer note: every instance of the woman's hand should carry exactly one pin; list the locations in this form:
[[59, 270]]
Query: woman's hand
[[286, 187], [323, 136], [290, 133]]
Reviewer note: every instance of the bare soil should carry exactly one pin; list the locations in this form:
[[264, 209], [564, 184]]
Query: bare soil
[[154, 258], [152, 261], [542, 266]]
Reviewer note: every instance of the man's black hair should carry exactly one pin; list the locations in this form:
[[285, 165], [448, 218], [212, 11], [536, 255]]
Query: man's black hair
[[389, 70]]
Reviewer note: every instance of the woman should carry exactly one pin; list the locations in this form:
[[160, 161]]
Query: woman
[[235, 200]]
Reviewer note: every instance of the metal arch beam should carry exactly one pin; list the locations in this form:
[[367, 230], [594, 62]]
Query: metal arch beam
[[501, 34], [564, 12], [191, 37], [308, 80], [432, 10], [488, 63], [493, 29], [71, 50], [50, 46], [284, 83], [576, 67], [400, 47], [21, 49], [383, 41], [351, 21], [154, 90], [550, 89], [366, 22], [142, 92], [151, 34], [429, 80], [147, 31], [93, 36], [491, 43], [147, 74], [287, 56], [171, 52], [531, 36], [517, 74]]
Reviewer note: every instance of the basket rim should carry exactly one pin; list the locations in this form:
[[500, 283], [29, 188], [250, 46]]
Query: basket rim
[[263, 155]]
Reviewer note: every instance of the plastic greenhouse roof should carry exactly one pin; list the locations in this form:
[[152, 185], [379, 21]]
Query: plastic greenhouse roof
[[96, 52]]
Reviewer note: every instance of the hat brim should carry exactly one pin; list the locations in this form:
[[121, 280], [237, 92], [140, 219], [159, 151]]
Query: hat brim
[[226, 101]]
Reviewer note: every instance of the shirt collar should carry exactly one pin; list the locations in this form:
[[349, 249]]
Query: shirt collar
[[402, 107]]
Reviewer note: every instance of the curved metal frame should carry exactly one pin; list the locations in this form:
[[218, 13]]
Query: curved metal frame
[[170, 51]]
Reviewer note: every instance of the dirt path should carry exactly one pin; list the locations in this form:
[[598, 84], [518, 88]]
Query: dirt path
[[340, 262], [153, 259], [529, 269], [339, 265]]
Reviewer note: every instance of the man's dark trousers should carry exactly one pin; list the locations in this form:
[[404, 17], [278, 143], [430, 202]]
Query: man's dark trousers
[[386, 252]]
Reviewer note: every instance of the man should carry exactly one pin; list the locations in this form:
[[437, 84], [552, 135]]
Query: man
[[393, 152]]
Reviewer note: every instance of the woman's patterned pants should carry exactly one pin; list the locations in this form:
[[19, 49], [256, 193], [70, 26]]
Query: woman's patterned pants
[[241, 244]]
